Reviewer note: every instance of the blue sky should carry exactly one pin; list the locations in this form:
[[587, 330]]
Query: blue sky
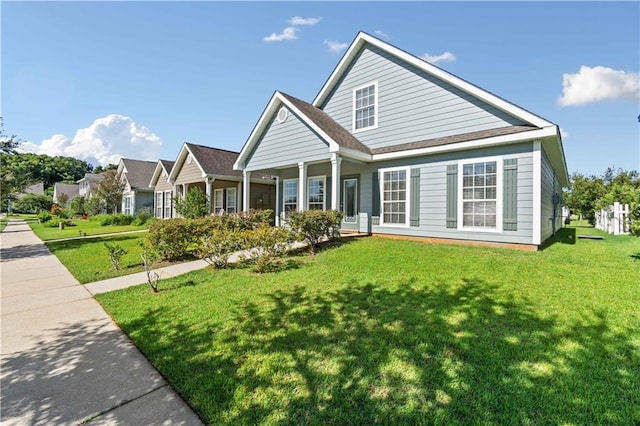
[[136, 79]]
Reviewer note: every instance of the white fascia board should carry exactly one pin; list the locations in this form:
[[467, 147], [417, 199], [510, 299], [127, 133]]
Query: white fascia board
[[182, 157], [257, 130], [459, 146], [157, 172], [461, 84], [352, 153]]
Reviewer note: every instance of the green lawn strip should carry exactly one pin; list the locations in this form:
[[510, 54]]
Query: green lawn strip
[[395, 332], [91, 227], [3, 223], [88, 259]]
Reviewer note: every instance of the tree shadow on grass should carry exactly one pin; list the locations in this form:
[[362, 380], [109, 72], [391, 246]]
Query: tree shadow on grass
[[79, 243], [636, 256], [376, 353]]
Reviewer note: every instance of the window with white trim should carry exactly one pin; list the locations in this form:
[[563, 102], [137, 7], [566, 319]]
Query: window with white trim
[[480, 189], [127, 205], [315, 195], [365, 107], [167, 204], [218, 200], [394, 191], [289, 196], [159, 204], [232, 200]]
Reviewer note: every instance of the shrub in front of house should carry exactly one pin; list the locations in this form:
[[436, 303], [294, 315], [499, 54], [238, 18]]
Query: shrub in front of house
[[315, 225], [268, 244], [44, 217], [142, 216]]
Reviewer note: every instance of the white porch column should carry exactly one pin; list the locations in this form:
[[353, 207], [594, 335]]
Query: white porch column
[[302, 187], [246, 183], [335, 181], [239, 197], [209, 192], [277, 210]]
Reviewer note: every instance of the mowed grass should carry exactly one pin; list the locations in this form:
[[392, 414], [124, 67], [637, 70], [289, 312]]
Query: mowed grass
[[88, 259], [84, 226], [377, 331]]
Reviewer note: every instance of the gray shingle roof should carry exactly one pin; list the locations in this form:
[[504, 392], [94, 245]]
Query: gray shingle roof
[[215, 161], [465, 137], [338, 133], [168, 165], [139, 173], [70, 189]]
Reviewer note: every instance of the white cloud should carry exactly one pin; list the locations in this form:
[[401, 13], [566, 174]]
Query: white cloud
[[105, 141], [563, 133], [336, 46], [298, 21], [445, 57], [598, 84], [288, 33], [381, 34]]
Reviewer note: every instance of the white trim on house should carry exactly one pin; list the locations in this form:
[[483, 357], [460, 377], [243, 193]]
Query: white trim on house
[[159, 172], [499, 194], [537, 193], [363, 38], [407, 211], [375, 108]]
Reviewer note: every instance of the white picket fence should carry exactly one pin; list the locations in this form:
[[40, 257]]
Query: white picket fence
[[614, 220]]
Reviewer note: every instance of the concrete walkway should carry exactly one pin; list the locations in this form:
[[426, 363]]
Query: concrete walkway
[[63, 361]]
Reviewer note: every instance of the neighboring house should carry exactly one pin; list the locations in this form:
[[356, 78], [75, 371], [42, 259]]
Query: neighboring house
[[88, 185], [211, 170], [35, 189], [71, 190], [137, 194], [405, 148], [163, 190]]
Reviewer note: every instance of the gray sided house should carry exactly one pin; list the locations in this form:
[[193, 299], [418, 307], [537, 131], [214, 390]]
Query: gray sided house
[[162, 190], [88, 185], [211, 170], [71, 190], [405, 148], [137, 194]]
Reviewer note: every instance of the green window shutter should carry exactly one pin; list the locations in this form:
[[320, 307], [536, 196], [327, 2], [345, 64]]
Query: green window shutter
[[414, 218], [375, 199], [452, 196], [510, 189]]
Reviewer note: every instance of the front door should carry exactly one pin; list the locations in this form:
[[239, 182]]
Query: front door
[[350, 203]]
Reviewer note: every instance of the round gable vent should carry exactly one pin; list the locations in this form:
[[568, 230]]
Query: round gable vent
[[282, 115], [189, 159]]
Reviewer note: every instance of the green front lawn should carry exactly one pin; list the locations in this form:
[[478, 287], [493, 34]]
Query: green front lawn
[[91, 227], [88, 259], [394, 332]]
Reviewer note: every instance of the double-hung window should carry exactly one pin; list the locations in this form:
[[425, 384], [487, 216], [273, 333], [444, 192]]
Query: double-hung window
[[127, 205], [480, 194], [159, 204], [316, 193], [290, 196], [232, 200], [218, 200], [167, 204], [394, 189], [365, 107]]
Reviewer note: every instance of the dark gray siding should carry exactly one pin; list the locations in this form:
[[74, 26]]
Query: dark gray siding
[[287, 143], [413, 105]]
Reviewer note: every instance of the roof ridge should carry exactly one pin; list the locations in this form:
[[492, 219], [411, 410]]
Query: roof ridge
[[211, 147]]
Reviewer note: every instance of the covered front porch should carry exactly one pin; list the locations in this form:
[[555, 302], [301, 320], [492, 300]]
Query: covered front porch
[[334, 184]]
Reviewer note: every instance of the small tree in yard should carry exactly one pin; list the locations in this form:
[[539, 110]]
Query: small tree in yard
[[315, 225], [193, 205], [148, 257], [110, 190], [115, 254], [62, 199]]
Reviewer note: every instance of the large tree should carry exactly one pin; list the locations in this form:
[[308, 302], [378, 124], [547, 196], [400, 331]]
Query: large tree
[[110, 190], [8, 144]]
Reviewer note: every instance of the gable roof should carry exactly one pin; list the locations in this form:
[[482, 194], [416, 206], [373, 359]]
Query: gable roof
[[210, 161], [363, 39], [70, 189], [161, 166], [138, 173], [92, 177]]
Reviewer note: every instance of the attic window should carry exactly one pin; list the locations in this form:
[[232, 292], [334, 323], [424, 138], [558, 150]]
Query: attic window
[[365, 107], [282, 115]]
